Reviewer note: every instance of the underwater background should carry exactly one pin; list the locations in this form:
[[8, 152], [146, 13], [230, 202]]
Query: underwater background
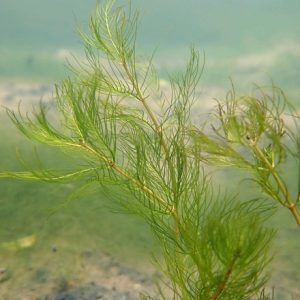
[[65, 238]]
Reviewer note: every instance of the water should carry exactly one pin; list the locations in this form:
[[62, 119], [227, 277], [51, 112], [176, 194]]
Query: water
[[250, 41]]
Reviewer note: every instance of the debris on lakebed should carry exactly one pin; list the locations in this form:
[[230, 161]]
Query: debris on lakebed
[[91, 293], [112, 281], [98, 276]]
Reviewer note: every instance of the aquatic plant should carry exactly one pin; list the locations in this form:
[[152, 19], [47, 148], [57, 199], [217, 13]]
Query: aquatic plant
[[257, 134], [139, 140]]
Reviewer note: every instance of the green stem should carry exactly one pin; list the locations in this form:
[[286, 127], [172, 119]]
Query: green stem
[[224, 282], [281, 185], [141, 186], [139, 96]]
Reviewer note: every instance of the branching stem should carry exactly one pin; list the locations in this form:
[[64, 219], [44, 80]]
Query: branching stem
[[224, 282], [141, 186], [139, 96], [289, 203]]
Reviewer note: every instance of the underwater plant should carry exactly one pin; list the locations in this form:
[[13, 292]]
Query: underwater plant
[[132, 134]]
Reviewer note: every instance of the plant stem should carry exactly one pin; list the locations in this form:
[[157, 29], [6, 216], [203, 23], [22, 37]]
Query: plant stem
[[139, 96], [281, 185], [141, 186], [224, 282], [158, 129]]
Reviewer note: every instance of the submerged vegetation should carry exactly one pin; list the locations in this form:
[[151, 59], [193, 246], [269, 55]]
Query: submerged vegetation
[[126, 131], [254, 133]]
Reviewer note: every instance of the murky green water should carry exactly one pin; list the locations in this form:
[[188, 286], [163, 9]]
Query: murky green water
[[249, 41]]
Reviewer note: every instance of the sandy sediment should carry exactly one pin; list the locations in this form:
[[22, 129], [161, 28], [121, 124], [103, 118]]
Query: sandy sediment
[[101, 277]]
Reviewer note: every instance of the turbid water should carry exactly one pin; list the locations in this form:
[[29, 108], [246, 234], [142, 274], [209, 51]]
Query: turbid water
[[251, 42]]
